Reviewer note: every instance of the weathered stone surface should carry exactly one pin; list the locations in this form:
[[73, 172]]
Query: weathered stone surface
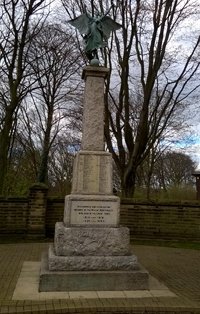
[[93, 110], [92, 173], [91, 241], [88, 263], [92, 280], [91, 210]]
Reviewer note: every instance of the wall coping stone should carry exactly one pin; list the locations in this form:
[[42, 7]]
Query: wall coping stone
[[38, 186], [128, 201]]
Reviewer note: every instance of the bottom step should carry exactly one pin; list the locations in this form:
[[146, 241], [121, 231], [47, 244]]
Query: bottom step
[[92, 280]]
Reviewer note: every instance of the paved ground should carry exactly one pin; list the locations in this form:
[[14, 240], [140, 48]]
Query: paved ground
[[178, 269]]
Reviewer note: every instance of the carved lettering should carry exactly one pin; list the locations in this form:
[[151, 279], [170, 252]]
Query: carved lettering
[[93, 212]]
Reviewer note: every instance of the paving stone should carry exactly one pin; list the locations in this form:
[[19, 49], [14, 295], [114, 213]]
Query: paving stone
[[175, 269], [138, 294], [162, 293], [53, 295], [110, 294], [83, 294]]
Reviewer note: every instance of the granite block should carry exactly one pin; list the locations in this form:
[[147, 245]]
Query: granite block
[[92, 280], [88, 263], [91, 241]]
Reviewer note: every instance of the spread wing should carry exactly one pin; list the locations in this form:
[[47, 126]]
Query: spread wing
[[81, 23], [108, 26]]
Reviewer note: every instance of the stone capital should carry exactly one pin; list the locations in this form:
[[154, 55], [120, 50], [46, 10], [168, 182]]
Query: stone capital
[[95, 72]]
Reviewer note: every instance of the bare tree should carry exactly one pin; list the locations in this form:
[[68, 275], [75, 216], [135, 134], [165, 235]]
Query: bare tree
[[148, 28], [55, 64], [16, 35], [61, 164], [154, 79], [174, 169]]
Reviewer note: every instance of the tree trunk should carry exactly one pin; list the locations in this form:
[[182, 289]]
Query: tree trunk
[[4, 147], [149, 175], [128, 184], [3, 161], [43, 169], [42, 173]]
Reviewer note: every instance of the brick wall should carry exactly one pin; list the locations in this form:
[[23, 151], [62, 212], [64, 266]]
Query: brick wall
[[54, 213], [145, 220], [36, 224], [13, 215], [162, 220]]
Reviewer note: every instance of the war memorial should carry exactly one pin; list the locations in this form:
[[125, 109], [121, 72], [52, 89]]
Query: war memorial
[[91, 251]]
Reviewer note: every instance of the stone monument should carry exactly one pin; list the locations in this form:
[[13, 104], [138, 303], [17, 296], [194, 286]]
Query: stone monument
[[91, 250]]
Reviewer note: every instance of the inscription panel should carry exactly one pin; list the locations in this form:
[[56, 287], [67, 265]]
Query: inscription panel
[[94, 213], [92, 173]]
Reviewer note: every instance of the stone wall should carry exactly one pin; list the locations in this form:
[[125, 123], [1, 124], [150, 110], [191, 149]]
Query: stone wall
[[36, 215], [146, 220], [25, 216], [54, 213], [36, 223], [13, 215], [162, 220]]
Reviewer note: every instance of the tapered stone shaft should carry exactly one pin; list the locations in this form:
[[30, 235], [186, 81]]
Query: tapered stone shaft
[[93, 114]]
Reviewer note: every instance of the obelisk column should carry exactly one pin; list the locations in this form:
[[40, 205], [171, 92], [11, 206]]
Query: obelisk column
[[92, 172], [92, 201], [93, 115]]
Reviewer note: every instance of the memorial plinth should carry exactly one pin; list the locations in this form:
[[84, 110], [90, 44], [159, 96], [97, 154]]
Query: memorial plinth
[[91, 251]]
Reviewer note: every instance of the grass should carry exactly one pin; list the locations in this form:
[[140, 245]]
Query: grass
[[187, 193]]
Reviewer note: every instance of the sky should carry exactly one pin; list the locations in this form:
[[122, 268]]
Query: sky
[[191, 144], [189, 141]]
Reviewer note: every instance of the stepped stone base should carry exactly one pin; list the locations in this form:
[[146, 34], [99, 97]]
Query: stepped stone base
[[89, 263], [92, 280], [91, 241]]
